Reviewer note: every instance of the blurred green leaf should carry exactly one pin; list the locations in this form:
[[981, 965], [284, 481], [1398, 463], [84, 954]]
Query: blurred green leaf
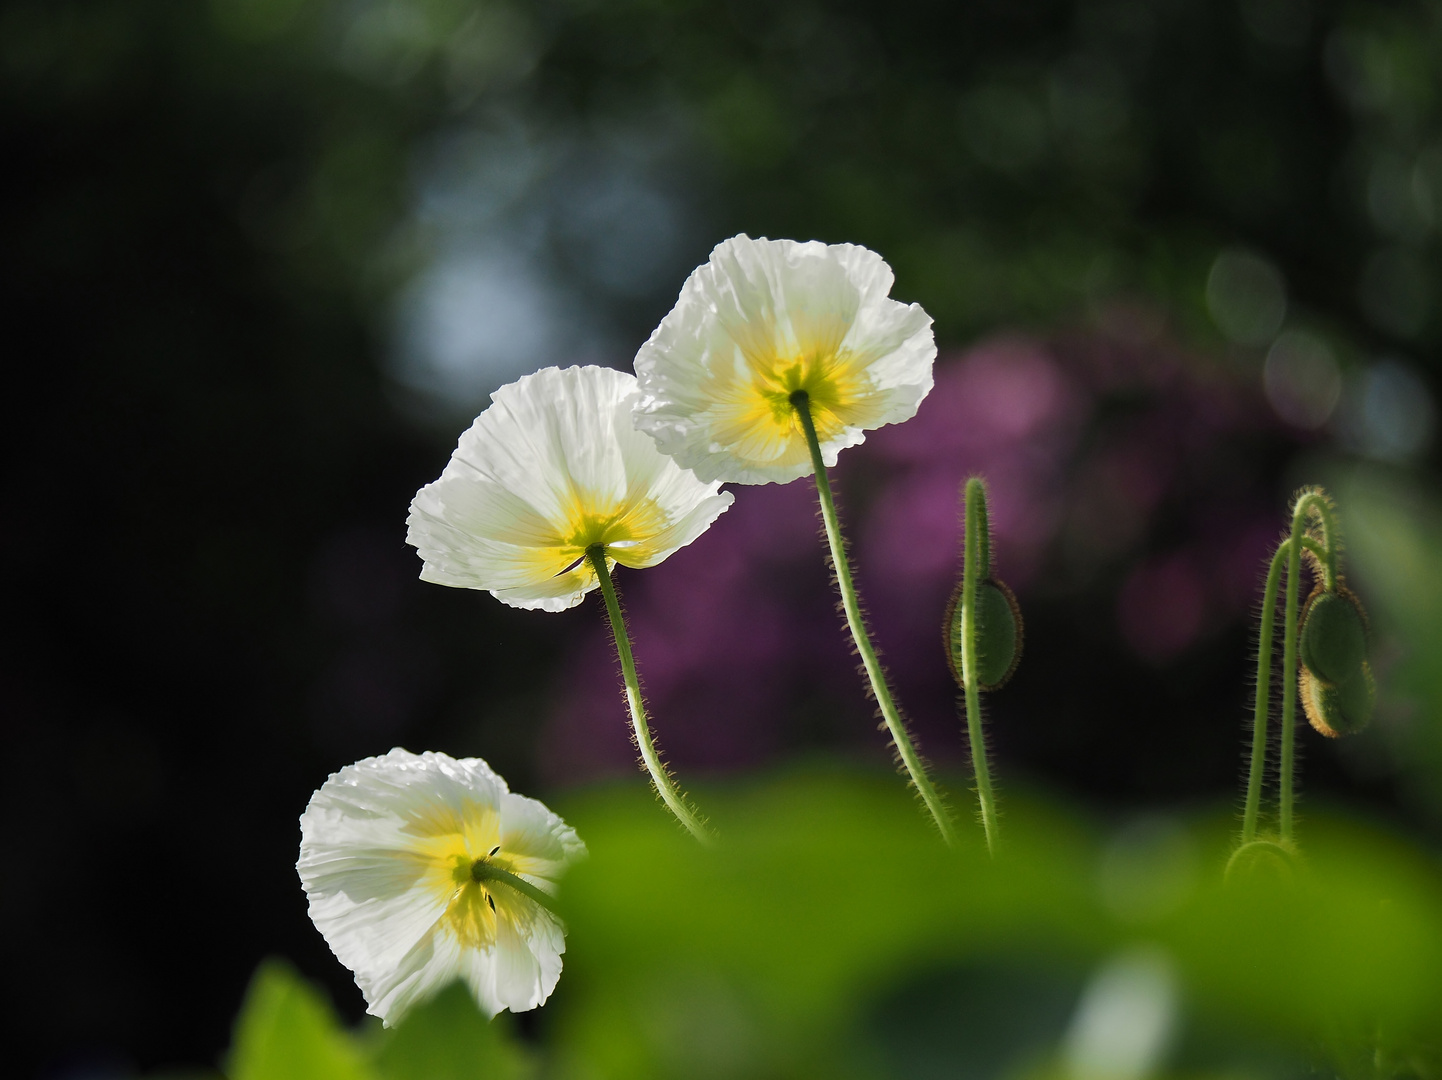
[[448, 1038], [1394, 531], [828, 896], [288, 1031]]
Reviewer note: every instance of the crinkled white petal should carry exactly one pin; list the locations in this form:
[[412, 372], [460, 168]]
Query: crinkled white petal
[[539, 843], [553, 466], [522, 969], [754, 309], [379, 844]]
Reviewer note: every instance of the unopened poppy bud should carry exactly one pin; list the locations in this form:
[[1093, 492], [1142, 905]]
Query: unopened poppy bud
[[1333, 643], [1337, 688], [998, 635], [1343, 708]]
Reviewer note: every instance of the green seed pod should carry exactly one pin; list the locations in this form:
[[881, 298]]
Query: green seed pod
[[1343, 708], [1333, 641], [998, 635]]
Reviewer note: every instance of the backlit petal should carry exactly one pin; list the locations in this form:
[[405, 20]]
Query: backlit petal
[[761, 319], [387, 846], [553, 467]]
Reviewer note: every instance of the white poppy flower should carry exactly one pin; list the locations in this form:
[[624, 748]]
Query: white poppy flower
[[762, 320], [553, 468], [422, 869]]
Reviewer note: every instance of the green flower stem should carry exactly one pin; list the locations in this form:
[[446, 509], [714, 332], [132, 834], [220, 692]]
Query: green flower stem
[[483, 871], [660, 775], [1320, 551], [1315, 502], [1307, 503], [975, 566], [851, 604], [1264, 696]]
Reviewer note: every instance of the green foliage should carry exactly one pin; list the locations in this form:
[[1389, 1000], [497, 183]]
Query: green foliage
[[447, 1038], [1394, 545], [828, 896], [288, 1031], [830, 933]]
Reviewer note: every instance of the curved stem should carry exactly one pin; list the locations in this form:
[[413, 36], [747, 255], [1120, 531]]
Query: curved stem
[[851, 604], [1285, 797], [1315, 501], [1263, 704], [660, 775], [975, 566], [483, 871]]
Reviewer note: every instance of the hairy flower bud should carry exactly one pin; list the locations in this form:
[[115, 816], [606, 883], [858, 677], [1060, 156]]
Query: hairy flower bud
[[1343, 708], [1337, 688], [1333, 643], [999, 635]]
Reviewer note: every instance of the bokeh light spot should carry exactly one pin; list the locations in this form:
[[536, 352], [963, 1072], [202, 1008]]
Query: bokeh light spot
[[1246, 297], [1302, 379]]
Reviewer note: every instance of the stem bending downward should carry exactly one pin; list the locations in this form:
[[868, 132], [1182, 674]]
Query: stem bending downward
[[1309, 502], [976, 560], [660, 775], [851, 604]]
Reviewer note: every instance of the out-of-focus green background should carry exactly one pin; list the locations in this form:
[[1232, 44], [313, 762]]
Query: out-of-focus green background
[[264, 260]]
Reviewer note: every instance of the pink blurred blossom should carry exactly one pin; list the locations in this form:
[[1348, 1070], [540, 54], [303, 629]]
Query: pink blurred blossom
[[1088, 442]]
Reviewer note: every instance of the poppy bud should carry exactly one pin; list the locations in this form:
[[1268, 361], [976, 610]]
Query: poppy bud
[[1343, 708], [998, 635], [1333, 644], [1337, 688]]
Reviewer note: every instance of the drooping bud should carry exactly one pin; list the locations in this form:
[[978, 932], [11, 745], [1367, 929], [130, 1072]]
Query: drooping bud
[[1338, 709], [1333, 643], [1336, 684], [999, 635]]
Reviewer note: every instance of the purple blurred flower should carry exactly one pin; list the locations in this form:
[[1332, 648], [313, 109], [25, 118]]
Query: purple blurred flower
[[1118, 469]]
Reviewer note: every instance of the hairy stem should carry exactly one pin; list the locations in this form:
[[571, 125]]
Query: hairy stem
[[851, 604], [1264, 696], [975, 566], [1308, 502], [660, 775], [1314, 501]]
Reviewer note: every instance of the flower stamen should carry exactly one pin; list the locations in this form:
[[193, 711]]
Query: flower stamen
[[484, 871]]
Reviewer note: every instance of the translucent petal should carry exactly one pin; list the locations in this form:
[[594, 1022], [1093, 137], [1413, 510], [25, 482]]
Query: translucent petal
[[553, 467], [762, 319], [387, 847]]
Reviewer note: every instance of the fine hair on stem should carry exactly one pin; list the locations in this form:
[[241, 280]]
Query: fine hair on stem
[[976, 567], [651, 761], [851, 607], [1311, 539]]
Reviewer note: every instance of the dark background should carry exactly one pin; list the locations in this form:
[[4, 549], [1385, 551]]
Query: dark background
[[264, 260]]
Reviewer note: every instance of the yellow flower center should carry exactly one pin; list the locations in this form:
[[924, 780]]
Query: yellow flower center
[[829, 388], [591, 521], [757, 420], [449, 842], [471, 913]]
